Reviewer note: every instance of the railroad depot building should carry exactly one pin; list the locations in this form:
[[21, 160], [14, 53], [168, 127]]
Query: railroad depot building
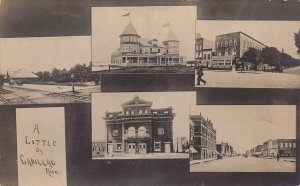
[[285, 148], [139, 129], [229, 48], [138, 51], [203, 138]]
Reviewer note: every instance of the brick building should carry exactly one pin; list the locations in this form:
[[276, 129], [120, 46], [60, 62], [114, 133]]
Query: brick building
[[203, 50], [285, 147], [138, 51], [203, 138], [229, 48], [225, 149], [139, 129]]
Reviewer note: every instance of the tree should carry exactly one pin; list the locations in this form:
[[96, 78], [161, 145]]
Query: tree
[[297, 41], [251, 56], [270, 56], [286, 60]]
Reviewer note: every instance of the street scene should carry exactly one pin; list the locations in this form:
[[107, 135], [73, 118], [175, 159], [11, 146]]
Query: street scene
[[45, 70], [243, 54], [260, 139], [143, 39], [140, 125]]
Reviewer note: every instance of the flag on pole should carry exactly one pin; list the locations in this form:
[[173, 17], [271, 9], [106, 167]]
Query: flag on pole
[[167, 24], [126, 15]]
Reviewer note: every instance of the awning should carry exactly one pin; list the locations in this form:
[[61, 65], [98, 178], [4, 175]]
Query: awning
[[193, 150], [216, 152]]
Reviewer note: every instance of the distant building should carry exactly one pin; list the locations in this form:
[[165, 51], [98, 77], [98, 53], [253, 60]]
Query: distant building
[[229, 48], [181, 144], [225, 149], [203, 138], [138, 51], [139, 129], [203, 50], [285, 147], [98, 149]]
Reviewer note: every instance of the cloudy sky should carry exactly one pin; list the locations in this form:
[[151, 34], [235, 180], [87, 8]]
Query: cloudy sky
[[44, 53], [180, 102], [108, 24], [245, 127], [279, 34]]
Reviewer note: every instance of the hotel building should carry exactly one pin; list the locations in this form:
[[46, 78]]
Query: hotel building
[[137, 51]]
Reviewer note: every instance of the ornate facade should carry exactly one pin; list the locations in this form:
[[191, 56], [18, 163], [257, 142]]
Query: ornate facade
[[203, 137], [139, 129], [137, 51]]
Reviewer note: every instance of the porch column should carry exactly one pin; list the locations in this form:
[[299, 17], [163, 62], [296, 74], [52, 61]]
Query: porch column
[[123, 140], [148, 61], [138, 60]]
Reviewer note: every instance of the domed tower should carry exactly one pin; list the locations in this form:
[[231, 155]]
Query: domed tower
[[172, 43], [129, 40]]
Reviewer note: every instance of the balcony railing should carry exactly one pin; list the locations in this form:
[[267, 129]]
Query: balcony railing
[[136, 136]]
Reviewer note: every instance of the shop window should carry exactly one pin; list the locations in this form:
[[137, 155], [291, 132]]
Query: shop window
[[119, 147], [157, 146], [160, 131]]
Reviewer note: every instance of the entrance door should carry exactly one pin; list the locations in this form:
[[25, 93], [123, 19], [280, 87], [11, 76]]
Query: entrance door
[[110, 149], [142, 148], [167, 147], [131, 148]]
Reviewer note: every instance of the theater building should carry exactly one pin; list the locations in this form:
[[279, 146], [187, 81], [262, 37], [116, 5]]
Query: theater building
[[229, 48], [203, 138], [138, 51], [139, 129]]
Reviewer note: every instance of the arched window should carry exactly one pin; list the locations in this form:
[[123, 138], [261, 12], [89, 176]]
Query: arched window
[[142, 131], [131, 132]]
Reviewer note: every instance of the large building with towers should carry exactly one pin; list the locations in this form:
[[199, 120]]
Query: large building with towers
[[139, 129], [138, 51]]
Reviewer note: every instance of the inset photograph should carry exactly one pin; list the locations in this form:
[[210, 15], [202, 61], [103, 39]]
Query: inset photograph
[[143, 125], [247, 54], [154, 39], [43, 70], [243, 138]]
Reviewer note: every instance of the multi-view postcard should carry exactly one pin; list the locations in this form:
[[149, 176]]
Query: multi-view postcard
[[141, 125], [247, 54], [158, 39], [243, 138]]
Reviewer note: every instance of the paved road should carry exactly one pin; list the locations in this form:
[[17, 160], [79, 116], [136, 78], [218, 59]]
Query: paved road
[[235, 79], [242, 164]]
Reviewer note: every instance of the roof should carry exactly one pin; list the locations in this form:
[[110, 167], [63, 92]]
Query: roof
[[22, 73], [144, 42], [171, 36], [136, 101], [198, 36], [130, 30], [240, 32]]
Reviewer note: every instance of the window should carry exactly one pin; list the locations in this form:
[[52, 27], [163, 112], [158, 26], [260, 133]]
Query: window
[[204, 56], [294, 145], [286, 144], [140, 111], [146, 111], [115, 132], [132, 112], [208, 56], [281, 145], [127, 112], [166, 112], [157, 146], [119, 147], [160, 131], [131, 132], [142, 131]]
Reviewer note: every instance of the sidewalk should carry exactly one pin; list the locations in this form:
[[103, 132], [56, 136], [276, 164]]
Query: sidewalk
[[289, 159], [202, 161]]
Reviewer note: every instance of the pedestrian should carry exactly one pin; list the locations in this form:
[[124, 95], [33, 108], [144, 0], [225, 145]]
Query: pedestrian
[[200, 73], [278, 156]]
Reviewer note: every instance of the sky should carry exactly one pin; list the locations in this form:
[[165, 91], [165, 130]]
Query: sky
[[44, 53], [246, 126], [279, 34], [180, 101], [108, 24]]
